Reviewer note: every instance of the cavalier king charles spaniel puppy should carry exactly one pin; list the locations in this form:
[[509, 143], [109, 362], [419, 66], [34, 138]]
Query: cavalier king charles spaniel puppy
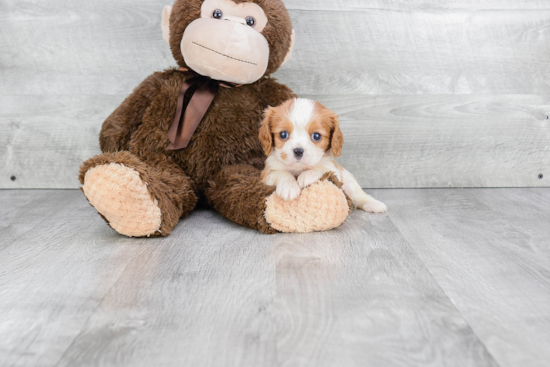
[[301, 138]]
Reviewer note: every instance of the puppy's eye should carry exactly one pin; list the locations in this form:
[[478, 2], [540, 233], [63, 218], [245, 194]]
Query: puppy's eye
[[217, 14], [250, 21], [283, 135], [316, 136]]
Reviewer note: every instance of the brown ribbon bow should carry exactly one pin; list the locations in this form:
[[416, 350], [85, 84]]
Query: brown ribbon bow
[[181, 130]]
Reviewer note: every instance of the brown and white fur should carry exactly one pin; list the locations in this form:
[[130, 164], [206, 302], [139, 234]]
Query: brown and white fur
[[301, 137]]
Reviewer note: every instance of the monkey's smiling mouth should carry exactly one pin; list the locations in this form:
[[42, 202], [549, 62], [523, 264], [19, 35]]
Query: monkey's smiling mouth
[[219, 53]]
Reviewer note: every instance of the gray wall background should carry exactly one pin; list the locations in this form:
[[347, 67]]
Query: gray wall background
[[431, 93]]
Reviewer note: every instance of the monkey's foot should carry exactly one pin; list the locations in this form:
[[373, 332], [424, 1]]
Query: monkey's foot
[[121, 197], [320, 207]]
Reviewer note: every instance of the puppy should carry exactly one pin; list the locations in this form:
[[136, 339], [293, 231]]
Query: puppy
[[301, 138]]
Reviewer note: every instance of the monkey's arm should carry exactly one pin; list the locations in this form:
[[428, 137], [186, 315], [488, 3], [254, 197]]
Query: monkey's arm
[[118, 127], [238, 193]]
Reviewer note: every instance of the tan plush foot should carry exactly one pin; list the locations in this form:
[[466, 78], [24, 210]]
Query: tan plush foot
[[320, 207], [118, 193]]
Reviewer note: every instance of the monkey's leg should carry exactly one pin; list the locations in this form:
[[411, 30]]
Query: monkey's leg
[[134, 198], [237, 193]]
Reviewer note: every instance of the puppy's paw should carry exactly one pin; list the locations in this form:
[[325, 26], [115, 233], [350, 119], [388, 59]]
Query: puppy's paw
[[309, 177], [288, 190], [375, 206]]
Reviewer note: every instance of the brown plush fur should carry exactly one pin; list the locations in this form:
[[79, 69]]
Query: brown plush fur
[[224, 157], [241, 184]]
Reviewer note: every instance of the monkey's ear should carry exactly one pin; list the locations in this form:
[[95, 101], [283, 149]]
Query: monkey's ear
[[165, 24], [265, 136], [289, 53]]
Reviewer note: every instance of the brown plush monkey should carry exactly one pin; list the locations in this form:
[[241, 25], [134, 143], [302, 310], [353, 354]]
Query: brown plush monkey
[[150, 176]]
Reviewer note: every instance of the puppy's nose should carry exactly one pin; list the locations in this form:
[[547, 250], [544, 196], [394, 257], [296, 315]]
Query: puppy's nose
[[298, 153]]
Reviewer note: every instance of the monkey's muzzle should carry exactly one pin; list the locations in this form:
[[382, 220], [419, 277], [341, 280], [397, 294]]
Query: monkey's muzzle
[[225, 50]]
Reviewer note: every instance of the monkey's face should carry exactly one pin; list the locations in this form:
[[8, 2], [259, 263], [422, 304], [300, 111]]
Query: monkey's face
[[226, 41]]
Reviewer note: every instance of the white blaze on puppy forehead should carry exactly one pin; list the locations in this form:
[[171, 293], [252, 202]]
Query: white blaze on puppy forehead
[[302, 111]]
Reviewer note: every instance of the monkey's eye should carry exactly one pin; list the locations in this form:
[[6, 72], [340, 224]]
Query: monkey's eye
[[283, 135], [316, 136], [217, 14], [250, 21]]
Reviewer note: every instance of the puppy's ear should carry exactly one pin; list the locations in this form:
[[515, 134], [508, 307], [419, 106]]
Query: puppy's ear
[[266, 138], [337, 139]]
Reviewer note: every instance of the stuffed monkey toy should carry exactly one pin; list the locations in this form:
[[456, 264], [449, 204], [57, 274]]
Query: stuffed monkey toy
[[192, 132]]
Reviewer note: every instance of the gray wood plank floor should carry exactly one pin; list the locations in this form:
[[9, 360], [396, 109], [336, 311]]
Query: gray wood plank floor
[[448, 277]]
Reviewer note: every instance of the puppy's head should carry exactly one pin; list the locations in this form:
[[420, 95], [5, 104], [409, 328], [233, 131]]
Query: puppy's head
[[300, 131]]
